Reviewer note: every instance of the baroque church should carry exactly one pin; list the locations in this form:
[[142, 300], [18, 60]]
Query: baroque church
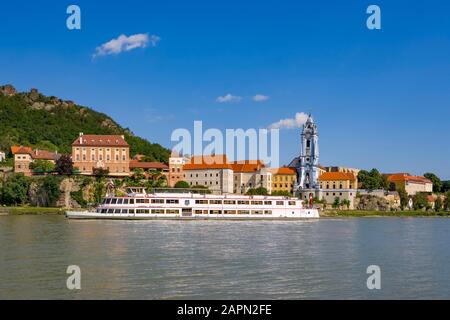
[[307, 164]]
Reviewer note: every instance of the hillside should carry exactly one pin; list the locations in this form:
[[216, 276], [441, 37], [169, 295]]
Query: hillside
[[30, 118]]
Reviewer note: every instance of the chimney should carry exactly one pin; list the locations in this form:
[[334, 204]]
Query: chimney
[[81, 134]]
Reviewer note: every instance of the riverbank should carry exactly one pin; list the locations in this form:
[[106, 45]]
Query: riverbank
[[362, 214], [30, 211]]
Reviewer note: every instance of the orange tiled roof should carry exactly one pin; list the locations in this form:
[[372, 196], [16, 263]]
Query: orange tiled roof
[[247, 166], [403, 177], [284, 171], [337, 176], [92, 140], [206, 162], [148, 165], [21, 150]]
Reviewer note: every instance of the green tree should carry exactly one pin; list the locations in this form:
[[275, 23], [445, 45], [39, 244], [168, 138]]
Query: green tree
[[282, 193], [100, 173], [447, 201], [261, 191], [420, 201], [64, 165], [182, 185], [48, 191], [445, 186], [404, 199], [337, 203], [43, 166], [438, 204], [346, 203], [138, 174], [14, 190], [437, 183], [157, 179], [372, 180]]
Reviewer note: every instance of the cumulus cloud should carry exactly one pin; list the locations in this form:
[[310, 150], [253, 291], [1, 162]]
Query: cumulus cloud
[[126, 43], [260, 98], [297, 122], [228, 98]]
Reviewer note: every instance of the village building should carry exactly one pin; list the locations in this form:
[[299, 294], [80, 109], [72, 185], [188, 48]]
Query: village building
[[342, 185], [250, 174], [148, 167], [283, 179], [24, 156], [210, 171], [411, 184], [176, 172], [106, 152]]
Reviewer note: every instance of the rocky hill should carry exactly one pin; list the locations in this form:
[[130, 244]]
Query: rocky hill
[[47, 122]]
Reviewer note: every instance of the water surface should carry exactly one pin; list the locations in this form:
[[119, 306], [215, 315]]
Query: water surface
[[324, 259]]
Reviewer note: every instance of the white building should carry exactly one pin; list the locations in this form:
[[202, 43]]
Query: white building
[[2, 156]]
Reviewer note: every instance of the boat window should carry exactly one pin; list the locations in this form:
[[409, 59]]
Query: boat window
[[215, 211], [113, 201], [110, 210], [158, 211], [172, 201], [98, 210], [267, 211], [198, 211], [230, 211], [243, 202], [215, 202], [292, 203], [157, 200], [229, 201], [258, 203], [201, 201], [257, 212], [280, 203], [139, 200], [243, 212], [131, 201], [108, 201], [146, 200], [173, 211], [268, 203], [104, 210], [124, 210], [119, 201], [125, 201], [117, 211]]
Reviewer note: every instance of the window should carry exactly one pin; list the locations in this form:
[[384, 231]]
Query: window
[[113, 201], [125, 201], [308, 143], [257, 203], [215, 211], [229, 202], [157, 200], [131, 211], [108, 201], [215, 202], [280, 203], [124, 210], [230, 212], [292, 203], [198, 211], [201, 201], [257, 212], [142, 211], [267, 211], [243, 212], [172, 201], [158, 211], [119, 201], [117, 211], [243, 202], [268, 203]]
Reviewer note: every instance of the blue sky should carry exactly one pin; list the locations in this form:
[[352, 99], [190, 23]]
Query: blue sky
[[381, 98]]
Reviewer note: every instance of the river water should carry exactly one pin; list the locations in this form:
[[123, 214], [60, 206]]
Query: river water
[[324, 259]]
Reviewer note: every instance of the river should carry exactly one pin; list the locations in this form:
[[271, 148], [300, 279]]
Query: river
[[317, 259]]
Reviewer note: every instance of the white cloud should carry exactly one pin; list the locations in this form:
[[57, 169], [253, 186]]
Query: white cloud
[[297, 122], [260, 98], [228, 98], [126, 43]]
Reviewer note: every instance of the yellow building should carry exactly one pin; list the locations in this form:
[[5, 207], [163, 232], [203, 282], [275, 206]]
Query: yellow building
[[283, 179], [342, 185]]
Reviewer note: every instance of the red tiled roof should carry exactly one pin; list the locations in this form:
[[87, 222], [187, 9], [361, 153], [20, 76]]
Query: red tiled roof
[[284, 171], [247, 166], [134, 164], [206, 162], [91, 140], [403, 177], [44, 155], [337, 176], [21, 150]]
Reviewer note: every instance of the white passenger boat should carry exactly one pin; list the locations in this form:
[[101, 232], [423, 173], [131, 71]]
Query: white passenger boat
[[138, 205]]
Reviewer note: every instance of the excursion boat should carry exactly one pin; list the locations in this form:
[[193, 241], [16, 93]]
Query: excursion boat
[[138, 205]]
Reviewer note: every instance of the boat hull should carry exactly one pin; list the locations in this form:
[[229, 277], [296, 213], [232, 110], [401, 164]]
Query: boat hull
[[308, 214]]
